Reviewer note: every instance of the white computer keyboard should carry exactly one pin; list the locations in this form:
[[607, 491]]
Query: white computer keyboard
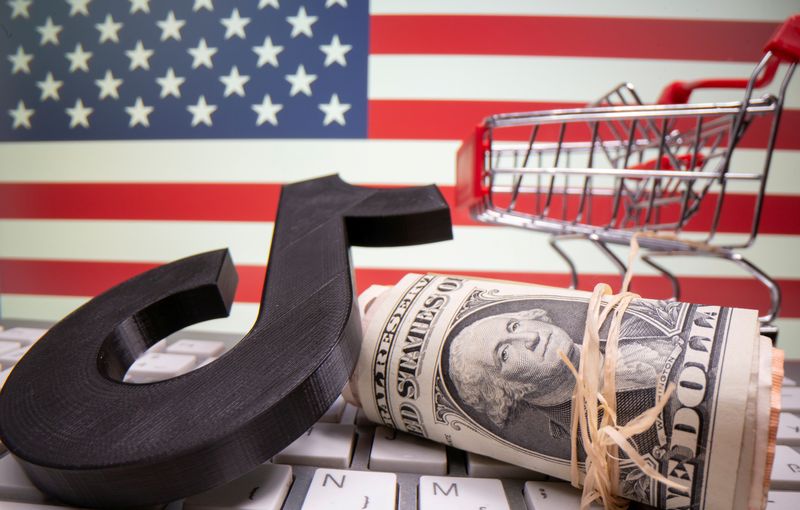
[[346, 462]]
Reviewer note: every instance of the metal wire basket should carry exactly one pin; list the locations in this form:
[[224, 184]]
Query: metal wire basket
[[618, 167]]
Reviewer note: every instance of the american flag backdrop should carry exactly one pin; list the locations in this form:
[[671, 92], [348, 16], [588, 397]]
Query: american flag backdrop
[[136, 132]]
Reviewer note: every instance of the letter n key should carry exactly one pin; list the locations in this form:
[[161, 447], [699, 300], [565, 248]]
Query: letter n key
[[347, 490]]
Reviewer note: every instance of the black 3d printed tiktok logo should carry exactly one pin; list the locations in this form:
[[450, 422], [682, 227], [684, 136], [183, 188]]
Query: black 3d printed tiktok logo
[[88, 439]]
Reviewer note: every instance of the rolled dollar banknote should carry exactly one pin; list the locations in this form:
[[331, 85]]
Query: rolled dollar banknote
[[477, 364]]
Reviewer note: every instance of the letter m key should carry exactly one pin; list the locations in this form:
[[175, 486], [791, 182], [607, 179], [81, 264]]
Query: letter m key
[[438, 489]]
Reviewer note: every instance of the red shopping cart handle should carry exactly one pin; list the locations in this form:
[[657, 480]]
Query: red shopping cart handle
[[785, 42], [678, 92], [784, 45]]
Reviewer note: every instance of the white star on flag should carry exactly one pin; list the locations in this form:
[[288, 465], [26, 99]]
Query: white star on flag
[[170, 84], [79, 59], [20, 8], [201, 112], [78, 7], [49, 87], [177, 58], [235, 25], [335, 52], [301, 82], [234, 82], [79, 114], [202, 4], [49, 32], [140, 5], [267, 53], [139, 113], [20, 61], [140, 57], [334, 111], [267, 111], [109, 29], [171, 27], [201, 55], [301, 24], [21, 115], [109, 85]]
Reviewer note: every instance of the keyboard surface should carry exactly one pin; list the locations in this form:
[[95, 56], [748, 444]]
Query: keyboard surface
[[346, 462]]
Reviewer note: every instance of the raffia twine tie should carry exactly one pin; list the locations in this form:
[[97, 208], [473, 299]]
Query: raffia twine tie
[[603, 437]]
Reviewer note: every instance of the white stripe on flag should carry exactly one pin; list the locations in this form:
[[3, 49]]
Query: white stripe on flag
[[401, 162], [356, 161], [473, 248], [546, 79], [54, 308]]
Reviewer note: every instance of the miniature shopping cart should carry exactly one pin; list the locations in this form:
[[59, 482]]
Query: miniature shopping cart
[[618, 167]]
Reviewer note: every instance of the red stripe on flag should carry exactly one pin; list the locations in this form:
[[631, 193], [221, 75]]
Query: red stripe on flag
[[81, 278], [140, 201], [778, 214], [440, 120], [89, 278], [455, 120], [682, 39], [259, 202]]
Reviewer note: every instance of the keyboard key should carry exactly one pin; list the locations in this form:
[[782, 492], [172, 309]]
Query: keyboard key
[[13, 505], [479, 466], [159, 346], [398, 451], [452, 493], [790, 398], [334, 412], [157, 366], [553, 496], [362, 420], [782, 500], [349, 414], [324, 445], [202, 349], [264, 488], [4, 376], [786, 469], [25, 336], [789, 429], [344, 490], [206, 362], [14, 483], [9, 359], [8, 346], [788, 381]]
